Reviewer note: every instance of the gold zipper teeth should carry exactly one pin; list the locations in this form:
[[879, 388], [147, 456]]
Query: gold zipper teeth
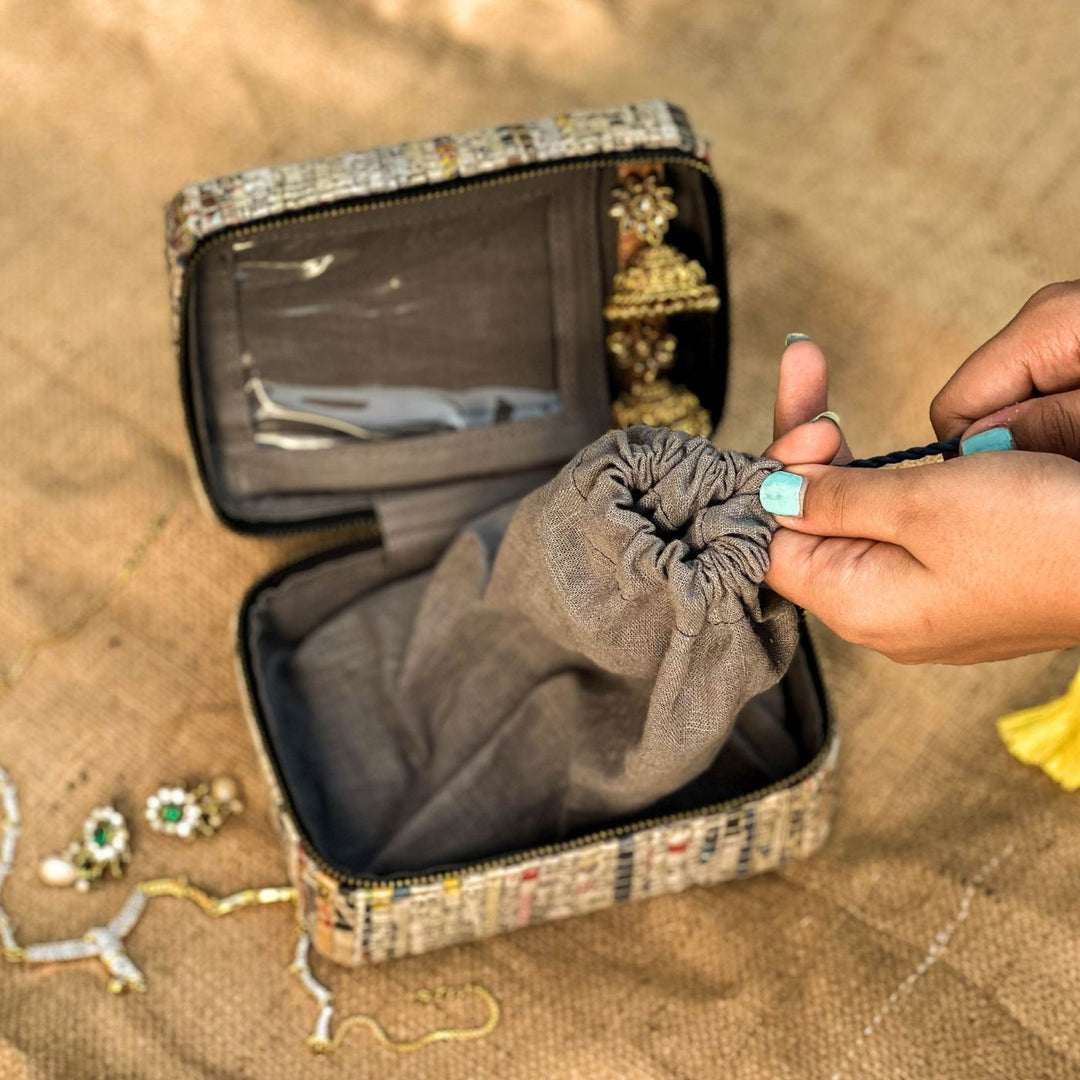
[[439, 190], [613, 833], [232, 233]]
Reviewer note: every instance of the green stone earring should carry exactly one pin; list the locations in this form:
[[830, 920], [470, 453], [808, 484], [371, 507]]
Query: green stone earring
[[105, 846], [196, 811]]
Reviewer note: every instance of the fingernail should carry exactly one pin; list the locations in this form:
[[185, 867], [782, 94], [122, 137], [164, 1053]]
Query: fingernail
[[995, 438], [828, 415], [792, 338], [781, 493]]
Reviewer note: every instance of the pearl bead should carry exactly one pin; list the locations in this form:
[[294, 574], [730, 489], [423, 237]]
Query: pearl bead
[[56, 870], [224, 788]]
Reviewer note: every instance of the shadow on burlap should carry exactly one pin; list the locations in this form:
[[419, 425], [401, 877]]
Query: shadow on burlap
[[899, 178]]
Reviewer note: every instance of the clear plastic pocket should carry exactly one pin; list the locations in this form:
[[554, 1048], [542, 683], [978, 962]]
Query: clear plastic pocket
[[419, 321]]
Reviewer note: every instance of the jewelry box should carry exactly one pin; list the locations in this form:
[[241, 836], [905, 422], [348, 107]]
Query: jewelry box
[[397, 341]]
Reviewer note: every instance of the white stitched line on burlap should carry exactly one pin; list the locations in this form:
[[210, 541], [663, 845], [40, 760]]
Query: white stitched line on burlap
[[10, 678], [942, 940]]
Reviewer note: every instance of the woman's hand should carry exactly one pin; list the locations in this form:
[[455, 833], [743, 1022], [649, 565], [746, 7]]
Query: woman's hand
[[969, 560], [997, 387], [960, 562]]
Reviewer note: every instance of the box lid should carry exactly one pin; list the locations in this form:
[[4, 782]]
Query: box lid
[[452, 287]]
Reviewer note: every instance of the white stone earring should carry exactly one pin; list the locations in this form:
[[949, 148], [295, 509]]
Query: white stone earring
[[105, 846]]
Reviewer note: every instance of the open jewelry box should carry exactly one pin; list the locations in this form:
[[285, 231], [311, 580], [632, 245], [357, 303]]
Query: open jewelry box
[[399, 340]]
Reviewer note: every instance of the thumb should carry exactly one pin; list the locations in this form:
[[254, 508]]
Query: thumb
[[828, 500], [1049, 425]]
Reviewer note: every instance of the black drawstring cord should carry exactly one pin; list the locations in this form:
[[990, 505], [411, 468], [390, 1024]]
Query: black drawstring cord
[[947, 446]]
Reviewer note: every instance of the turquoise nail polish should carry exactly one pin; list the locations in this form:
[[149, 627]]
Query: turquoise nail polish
[[780, 494], [792, 338], [995, 438]]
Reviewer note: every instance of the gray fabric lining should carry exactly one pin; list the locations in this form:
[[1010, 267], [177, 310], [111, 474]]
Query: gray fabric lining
[[424, 716], [501, 286]]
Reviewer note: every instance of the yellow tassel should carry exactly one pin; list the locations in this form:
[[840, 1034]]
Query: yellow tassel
[[1048, 736]]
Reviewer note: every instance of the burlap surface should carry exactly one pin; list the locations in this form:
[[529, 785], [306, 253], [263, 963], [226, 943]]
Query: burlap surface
[[899, 178]]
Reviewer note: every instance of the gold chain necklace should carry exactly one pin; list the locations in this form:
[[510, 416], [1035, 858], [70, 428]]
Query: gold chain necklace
[[105, 944]]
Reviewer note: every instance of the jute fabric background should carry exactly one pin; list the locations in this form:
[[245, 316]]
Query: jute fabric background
[[899, 177]]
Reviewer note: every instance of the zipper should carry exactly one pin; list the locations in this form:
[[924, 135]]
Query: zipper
[[345, 877], [365, 519]]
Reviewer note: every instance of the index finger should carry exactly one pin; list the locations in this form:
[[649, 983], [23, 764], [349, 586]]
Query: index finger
[[833, 577], [803, 391], [1037, 352]]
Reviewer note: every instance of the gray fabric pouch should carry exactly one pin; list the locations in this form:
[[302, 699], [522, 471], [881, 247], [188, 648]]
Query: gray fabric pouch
[[571, 659]]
